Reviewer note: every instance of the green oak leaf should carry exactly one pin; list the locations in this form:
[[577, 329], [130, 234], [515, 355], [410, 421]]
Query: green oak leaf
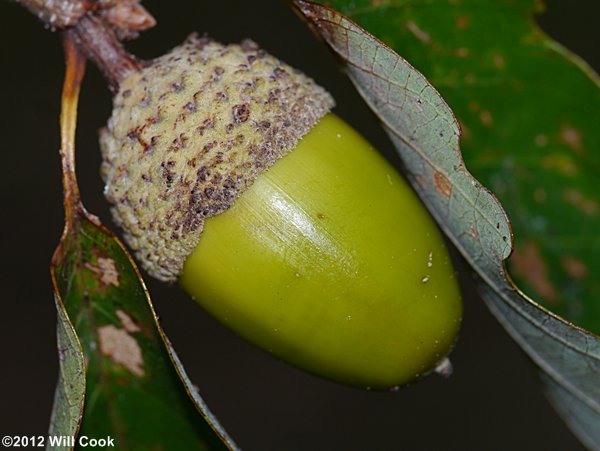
[[119, 376], [527, 110]]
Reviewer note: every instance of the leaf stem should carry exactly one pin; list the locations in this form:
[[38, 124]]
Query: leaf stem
[[75, 68]]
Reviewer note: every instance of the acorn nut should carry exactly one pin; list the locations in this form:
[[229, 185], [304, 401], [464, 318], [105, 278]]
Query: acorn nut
[[322, 256]]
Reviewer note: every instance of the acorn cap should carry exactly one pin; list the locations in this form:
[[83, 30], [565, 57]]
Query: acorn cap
[[190, 132]]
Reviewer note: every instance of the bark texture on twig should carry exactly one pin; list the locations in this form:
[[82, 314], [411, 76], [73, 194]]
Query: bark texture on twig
[[101, 45], [98, 26], [126, 17], [57, 14]]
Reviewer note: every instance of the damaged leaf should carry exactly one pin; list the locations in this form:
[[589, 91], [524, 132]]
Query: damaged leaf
[[119, 376], [540, 159]]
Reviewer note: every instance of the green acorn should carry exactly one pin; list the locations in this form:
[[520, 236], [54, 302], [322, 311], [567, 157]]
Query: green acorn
[[229, 174]]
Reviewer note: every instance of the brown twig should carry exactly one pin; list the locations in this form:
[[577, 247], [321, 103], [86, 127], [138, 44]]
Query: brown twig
[[58, 14], [127, 17], [100, 44], [98, 26]]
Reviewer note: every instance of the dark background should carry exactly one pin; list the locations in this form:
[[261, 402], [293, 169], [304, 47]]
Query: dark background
[[493, 400]]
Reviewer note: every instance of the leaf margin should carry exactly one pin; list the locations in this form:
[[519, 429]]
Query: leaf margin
[[506, 294]]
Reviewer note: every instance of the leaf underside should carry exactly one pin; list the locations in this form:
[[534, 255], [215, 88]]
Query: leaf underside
[[119, 376], [527, 111]]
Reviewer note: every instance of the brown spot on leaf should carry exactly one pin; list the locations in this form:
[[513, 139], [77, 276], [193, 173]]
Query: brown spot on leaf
[[528, 263], [586, 205], [541, 140], [561, 162], [462, 52], [418, 33], [486, 118], [128, 324], [463, 22], [570, 136], [498, 60], [574, 267], [442, 184], [108, 271], [121, 348], [473, 106], [540, 195]]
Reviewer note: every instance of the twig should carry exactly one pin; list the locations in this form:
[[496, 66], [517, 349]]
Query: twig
[[101, 45], [58, 14], [98, 26]]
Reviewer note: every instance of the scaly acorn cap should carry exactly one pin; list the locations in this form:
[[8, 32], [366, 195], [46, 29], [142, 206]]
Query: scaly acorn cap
[[190, 132]]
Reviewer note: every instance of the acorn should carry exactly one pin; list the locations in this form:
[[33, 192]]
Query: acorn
[[228, 173]]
